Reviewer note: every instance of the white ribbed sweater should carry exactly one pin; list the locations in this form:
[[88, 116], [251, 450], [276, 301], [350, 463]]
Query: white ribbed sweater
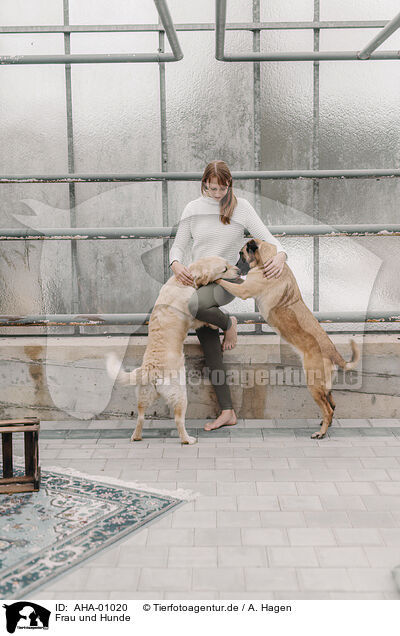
[[201, 230]]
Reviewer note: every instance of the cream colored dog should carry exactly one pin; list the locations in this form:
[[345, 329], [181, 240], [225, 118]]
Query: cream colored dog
[[163, 367], [282, 306]]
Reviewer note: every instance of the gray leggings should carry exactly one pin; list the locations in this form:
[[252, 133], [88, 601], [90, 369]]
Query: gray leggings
[[204, 305]]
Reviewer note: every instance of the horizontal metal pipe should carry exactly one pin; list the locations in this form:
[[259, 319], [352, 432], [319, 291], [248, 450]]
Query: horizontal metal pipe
[[132, 58], [117, 233], [307, 56], [372, 173], [383, 35], [104, 58], [54, 320], [204, 26]]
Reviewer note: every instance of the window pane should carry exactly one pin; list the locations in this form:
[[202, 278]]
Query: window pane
[[359, 10], [115, 12], [31, 12], [184, 12]]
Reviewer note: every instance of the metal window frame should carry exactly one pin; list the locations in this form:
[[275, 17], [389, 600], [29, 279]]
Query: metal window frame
[[166, 26], [112, 58], [137, 233], [250, 318], [244, 175], [303, 56], [196, 26], [247, 318]]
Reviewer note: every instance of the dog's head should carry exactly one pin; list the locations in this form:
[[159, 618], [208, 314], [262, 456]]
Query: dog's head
[[257, 252], [206, 270]]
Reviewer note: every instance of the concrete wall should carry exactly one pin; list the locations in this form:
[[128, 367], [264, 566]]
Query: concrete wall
[[64, 378]]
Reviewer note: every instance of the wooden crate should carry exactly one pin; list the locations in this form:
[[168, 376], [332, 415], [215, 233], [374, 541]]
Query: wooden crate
[[29, 482]]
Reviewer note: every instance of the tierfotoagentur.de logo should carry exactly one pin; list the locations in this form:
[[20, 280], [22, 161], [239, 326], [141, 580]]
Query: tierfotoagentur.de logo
[[26, 615]]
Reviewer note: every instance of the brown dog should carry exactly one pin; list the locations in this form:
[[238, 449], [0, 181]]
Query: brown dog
[[282, 306]]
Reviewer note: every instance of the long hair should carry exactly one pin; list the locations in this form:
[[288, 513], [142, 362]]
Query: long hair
[[220, 170]]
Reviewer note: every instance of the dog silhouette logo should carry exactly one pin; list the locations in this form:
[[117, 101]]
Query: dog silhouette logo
[[24, 615]]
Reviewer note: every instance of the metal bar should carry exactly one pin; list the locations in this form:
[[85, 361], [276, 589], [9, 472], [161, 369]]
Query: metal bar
[[169, 29], [164, 155], [372, 173], [315, 161], [204, 26], [257, 106], [112, 58], [257, 122], [104, 233], [143, 319], [289, 56], [383, 35], [308, 56], [71, 164], [220, 22], [104, 58]]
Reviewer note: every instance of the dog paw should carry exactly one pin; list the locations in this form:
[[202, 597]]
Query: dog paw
[[318, 435], [136, 438], [189, 440]]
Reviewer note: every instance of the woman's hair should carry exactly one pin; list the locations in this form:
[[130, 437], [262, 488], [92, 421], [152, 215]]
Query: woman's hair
[[220, 170]]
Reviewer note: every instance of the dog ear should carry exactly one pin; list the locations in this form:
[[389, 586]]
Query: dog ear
[[200, 275], [252, 246], [253, 250]]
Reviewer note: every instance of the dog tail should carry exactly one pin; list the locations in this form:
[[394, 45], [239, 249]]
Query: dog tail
[[119, 375], [348, 366]]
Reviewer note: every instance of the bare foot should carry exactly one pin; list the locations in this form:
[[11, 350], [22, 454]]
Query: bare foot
[[230, 337], [227, 418]]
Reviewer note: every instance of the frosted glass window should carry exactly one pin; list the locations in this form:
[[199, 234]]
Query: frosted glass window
[[355, 40], [287, 202], [185, 12], [31, 12], [122, 276], [113, 278], [32, 107], [116, 43], [287, 10], [359, 10], [115, 12], [359, 201], [116, 117], [31, 44], [33, 116], [385, 294], [119, 204], [286, 104], [350, 278], [35, 275], [359, 107], [209, 106]]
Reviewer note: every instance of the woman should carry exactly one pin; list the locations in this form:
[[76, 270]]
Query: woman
[[214, 225]]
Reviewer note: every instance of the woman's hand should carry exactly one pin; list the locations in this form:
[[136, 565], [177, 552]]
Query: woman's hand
[[182, 274], [273, 266]]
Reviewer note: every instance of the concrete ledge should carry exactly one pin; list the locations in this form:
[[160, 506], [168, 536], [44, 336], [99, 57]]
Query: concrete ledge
[[64, 378]]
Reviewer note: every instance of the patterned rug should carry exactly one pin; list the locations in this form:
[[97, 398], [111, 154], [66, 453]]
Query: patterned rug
[[71, 518]]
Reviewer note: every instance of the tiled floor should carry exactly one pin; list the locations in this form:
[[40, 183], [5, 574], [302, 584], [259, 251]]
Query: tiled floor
[[278, 515]]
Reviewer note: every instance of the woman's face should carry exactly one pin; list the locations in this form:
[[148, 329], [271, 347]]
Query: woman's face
[[215, 190]]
